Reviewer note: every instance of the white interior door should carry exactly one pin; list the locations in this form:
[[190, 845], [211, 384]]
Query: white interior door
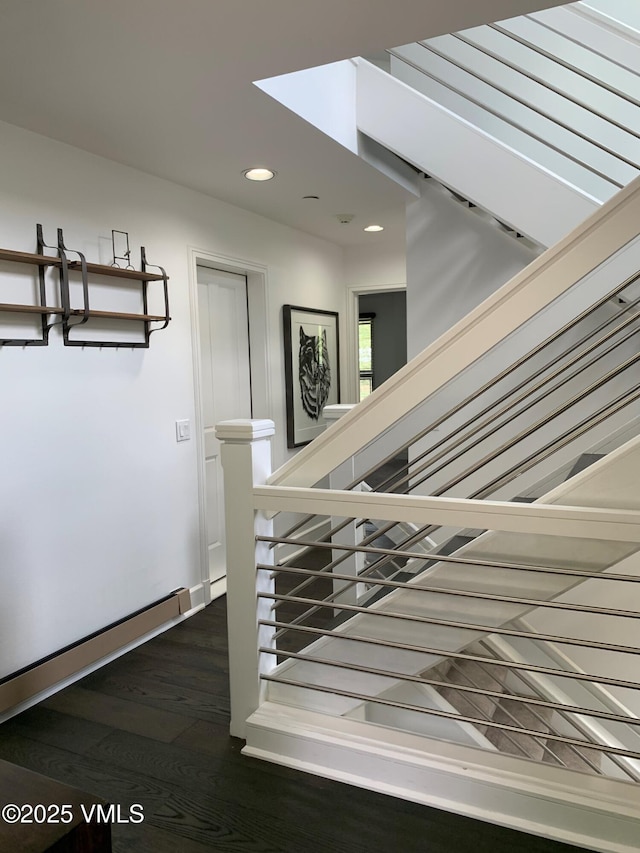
[[226, 386]]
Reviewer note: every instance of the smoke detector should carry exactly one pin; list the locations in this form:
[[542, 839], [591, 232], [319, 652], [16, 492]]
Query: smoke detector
[[344, 218]]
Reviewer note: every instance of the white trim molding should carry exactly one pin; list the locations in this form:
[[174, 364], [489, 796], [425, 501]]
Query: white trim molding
[[354, 292], [589, 811], [257, 297]]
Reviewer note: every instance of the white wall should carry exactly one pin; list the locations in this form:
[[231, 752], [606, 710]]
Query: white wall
[[455, 259], [99, 504], [324, 96], [381, 263]]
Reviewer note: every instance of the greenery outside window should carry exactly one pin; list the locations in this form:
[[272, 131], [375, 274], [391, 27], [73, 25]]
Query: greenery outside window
[[365, 354]]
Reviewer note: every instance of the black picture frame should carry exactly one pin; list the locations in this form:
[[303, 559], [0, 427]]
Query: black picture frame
[[311, 370]]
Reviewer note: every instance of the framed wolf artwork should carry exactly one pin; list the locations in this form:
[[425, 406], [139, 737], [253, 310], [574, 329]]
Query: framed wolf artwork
[[311, 370]]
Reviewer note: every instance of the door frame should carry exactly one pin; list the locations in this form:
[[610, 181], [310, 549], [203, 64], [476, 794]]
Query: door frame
[[259, 366], [354, 292]]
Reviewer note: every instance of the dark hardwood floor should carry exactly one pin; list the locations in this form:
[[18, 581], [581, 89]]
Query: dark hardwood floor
[[152, 728]]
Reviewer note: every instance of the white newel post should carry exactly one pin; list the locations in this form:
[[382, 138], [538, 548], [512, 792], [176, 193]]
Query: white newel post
[[349, 535], [246, 460]]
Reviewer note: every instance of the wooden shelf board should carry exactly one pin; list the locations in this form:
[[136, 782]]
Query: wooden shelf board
[[97, 269], [29, 309], [117, 315], [28, 258], [116, 272]]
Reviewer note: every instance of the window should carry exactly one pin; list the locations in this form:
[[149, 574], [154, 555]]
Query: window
[[365, 354]]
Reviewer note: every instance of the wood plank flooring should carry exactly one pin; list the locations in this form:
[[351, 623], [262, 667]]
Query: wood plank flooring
[[152, 728]]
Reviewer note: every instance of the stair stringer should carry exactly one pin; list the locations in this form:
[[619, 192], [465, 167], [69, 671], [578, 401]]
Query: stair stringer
[[437, 141], [523, 682], [609, 483], [422, 696], [571, 692]]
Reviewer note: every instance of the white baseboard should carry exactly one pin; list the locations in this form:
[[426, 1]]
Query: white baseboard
[[595, 812], [217, 589]]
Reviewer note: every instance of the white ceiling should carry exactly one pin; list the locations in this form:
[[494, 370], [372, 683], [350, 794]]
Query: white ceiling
[[165, 86]]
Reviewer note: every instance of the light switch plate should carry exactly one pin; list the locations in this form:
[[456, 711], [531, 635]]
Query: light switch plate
[[183, 430]]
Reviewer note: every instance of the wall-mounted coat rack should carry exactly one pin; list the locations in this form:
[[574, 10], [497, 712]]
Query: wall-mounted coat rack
[[72, 316], [39, 260]]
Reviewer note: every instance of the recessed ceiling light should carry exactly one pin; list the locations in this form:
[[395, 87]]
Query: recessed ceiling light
[[374, 228], [259, 174]]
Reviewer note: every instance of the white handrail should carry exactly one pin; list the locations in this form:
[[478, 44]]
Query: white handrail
[[545, 519]]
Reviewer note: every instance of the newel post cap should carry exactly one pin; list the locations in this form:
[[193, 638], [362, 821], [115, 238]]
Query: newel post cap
[[335, 411], [244, 430]]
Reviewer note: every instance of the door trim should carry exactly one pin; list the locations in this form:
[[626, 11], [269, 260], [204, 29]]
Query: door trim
[[259, 365], [354, 291]]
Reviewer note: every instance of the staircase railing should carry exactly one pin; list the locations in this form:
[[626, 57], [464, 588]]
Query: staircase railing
[[579, 365], [345, 659], [353, 625], [564, 390], [567, 280], [424, 622]]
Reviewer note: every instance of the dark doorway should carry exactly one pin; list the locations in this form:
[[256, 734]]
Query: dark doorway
[[383, 337]]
